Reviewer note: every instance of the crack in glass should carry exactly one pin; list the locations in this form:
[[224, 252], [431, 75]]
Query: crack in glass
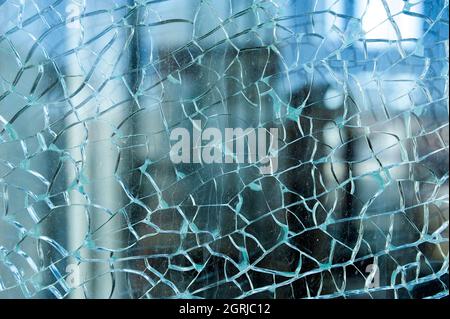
[[91, 205]]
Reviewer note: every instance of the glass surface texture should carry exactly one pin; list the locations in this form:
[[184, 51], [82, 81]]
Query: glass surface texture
[[119, 177]]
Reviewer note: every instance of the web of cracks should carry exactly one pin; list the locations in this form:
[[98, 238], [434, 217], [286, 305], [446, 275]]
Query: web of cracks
[[91, 204]]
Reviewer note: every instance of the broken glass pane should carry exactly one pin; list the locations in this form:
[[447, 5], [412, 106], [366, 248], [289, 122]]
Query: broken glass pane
[[224, 149]]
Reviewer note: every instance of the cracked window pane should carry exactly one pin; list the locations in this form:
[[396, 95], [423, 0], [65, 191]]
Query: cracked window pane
[[224, 149]]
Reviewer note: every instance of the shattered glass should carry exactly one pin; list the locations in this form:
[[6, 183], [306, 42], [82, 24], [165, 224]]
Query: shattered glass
[[91, 206]]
